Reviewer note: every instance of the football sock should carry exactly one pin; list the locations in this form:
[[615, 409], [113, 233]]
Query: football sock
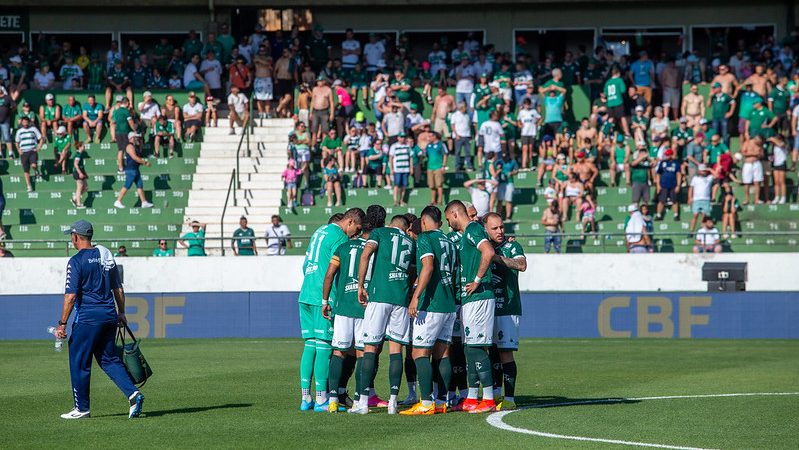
[[347, 369], [488, 393], [410, 370], [472, 377], [336, 363], [412, 388], [458, 362], [496, 367], [445, 377], [367, 373], [473, 393], [482, 363], [322, 368], [395, 372], [358, 384], [424, 371], [509, 369], [306, 368]]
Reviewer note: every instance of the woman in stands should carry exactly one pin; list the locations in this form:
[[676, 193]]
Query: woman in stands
[[573, 191], [546, 157], [779, 166], [332, 181], [171, 110]]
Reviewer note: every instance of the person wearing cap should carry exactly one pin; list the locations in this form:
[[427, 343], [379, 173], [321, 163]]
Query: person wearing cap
[[693, 107], [667, 180], [49, 115], [682, 136], [94, 290], [243, 242], [586, 171], [117, 83], [639, 124], [708, 239], [62, 146], [761, 121], [192, 117], [194, 240], [17, 74], [747, 98], [238, 111], [619, 158], [26, 111], [699, 192], [722, 107], [133, 159], [29, 141]]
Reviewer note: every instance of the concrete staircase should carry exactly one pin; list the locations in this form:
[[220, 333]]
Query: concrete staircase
[[261, 189]]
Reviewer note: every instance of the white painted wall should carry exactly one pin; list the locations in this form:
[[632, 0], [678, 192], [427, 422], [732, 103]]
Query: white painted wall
[[568, 273]]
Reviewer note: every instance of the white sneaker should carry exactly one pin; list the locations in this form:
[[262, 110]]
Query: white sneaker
[[782, 201], [75, 414], [146, 205], [357, 409], [118, 204], [392, 408]]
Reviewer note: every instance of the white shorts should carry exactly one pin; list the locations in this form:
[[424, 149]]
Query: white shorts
[[263, 88], [429, 327], [478, 322], [491, 188], [303, 117], [303, 155], [507, 93], [506, 332], [753, 172], [505, 192], [381, 320], [619, 167], [347, 330]]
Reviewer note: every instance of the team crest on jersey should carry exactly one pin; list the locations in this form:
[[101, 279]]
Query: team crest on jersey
[[466, 330], [500, 335]]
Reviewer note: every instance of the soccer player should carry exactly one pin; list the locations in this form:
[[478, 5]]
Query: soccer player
[[508, 261], [348, 321], [386, 302], [92, 288], [316, 330], [433, 308], [477, 310]]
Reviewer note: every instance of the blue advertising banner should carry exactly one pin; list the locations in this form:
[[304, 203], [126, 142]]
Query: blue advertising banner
[[745, 315]]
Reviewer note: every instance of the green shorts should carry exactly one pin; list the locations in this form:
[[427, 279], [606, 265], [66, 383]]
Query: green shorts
[[313, 325]]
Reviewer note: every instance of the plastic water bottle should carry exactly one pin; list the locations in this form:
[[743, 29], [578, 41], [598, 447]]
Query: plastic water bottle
[[58, 341]]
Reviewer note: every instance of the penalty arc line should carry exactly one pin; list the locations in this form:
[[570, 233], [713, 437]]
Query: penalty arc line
[[496, 419]]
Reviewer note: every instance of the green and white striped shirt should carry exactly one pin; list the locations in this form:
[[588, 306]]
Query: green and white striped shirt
[[28, 139], [402, 158]]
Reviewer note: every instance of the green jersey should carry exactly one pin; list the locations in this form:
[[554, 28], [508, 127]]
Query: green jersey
[[95, 74], [244, 240], [435, 155], [347, 256], [121, 118], [684, 135], [779, 98], [470, 257], [620, 153], [80, 158], [506, 281], [118, 76], [757, 118], [481, 91], [191, 47], [641, 121], [640, 173], [50, 112], [403, 96], [748, 99], [160, 253], [439, 295], [92, 112], [720, 105], [503, 77], [455, 237], [166, 128], [714, 151], [324, 242], [395, 254], [196, 242], [570, 72], [62, 142], [614, 92], [70, 111]]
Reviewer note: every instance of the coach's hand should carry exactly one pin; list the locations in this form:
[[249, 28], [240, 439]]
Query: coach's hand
[[363, 296], [61, 332], [412, 307], [326, 311], [471, 287], [122, 320]]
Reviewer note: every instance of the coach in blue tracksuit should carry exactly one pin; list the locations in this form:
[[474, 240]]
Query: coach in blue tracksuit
[[92, 286]]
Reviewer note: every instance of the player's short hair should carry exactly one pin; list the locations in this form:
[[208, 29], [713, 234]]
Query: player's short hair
[[432, 212], [400, 220], [410, 217], [376, 216], [456, 206], [484, 219], [355, 214], [416, 227], [335, 218]]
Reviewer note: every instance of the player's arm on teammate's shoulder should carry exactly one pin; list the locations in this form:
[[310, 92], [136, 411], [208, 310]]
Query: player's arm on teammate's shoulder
[[327, 285], [516, 262]]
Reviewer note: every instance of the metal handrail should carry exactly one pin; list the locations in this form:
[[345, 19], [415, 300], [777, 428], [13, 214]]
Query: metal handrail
[[224, 209]]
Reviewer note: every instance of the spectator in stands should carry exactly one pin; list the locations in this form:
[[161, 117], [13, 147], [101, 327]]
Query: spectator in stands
[[93, 115], [43, 80], [290, 178], [264, 75], [729, 211], [149, 110], [322, 109], [133, 159], [29, 141], [551, 220], [707, 238], [7, 108], [192, 45], [117, 83], [278, 237], [668, 179], [122, 252], [238, 111], [163, 133], [79, 175], [157, 80], [71, 74], [194, 240], [332, 180], [635, 232], [239, 75], [49, 115], [211, 116], [752, 172], [171, 110], [192, 77], [285, 74], [211, 72], [779, 165], [62, 146], [693, 107], [243, 242], [699, 195], [226, 40], [192, 117], [18, 75], [163, 250], [122, 124], [400, 165], [480, 195], [460, 123], [586, 171]]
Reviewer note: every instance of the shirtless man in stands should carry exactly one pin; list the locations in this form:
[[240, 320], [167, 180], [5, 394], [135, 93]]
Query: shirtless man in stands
[[586, 171], [443, 106], [726, 79], [693, 107], [321, 109], [586, 132], [760, 82]]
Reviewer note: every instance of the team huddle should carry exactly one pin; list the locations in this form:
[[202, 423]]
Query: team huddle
[[451, 300]]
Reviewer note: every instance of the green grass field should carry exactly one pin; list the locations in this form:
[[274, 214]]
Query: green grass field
[[231, 393]]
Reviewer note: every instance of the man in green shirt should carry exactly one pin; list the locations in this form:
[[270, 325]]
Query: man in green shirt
[[778, 100], [436, 166], [164, 133], [162, 250], [347, 312], [715, 149], [123, 124], [477, 298], [117, 82], [192, 46], [72, 115], [433, 308], [508, 261], [316, 330], [761, 121], [614, 92], [62, 146], [386, 300], [95, 73], [93, 119], [194, 240], [161, 54], [401, 88], [722, 106], [243, 242]]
